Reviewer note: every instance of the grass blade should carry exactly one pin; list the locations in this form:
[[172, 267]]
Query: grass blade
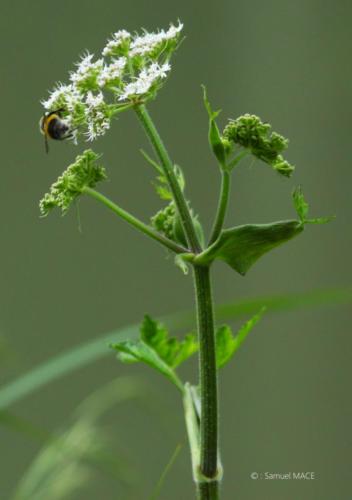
[[156, 492]]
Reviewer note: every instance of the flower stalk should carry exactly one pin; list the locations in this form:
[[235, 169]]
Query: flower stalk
[[133, 221]]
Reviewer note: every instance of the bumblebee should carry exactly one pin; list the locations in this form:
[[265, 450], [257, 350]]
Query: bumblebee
[[53, 126]]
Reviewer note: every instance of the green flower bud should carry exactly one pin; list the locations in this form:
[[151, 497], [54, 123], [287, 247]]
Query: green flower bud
[[83, 173], [167, 221], [249, 132], [163, 220]]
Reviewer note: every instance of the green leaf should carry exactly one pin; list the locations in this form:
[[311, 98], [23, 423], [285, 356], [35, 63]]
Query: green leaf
[[140, 351], [214, 136], [246, 328], [187, 348], [227, 344], [157, 349], [302, 209], [320, 220], [170, 349], [241, 246], [300, 204]]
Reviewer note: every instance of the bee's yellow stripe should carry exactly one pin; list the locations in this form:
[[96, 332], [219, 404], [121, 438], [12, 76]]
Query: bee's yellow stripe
[[47, 121]]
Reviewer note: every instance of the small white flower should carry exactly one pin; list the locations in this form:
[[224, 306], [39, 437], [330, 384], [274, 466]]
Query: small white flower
[[94, 101], [173, 31], [118, 38], [112, 71], [86, 69], [146, 78], [145, 44]]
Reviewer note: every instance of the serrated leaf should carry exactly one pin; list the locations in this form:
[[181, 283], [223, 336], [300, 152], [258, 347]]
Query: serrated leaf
[[246, 328], [241, 246], [146, 354], [157, 349], [227, 344], [302, 209], [170, 349], [186, 349], [300, 204]]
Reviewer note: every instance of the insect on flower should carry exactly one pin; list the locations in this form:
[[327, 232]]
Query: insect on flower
[[53, 126]]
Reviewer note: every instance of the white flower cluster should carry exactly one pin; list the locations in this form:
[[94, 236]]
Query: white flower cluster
[[145, 44], [135, 70], [145, 80], [87, 71]]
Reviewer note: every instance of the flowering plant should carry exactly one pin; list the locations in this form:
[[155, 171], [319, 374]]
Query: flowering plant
[[130, 72]]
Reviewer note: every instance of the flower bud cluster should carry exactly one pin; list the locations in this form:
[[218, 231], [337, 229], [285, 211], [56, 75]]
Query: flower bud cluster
[[131, 69], [83, 173], [249, 132]]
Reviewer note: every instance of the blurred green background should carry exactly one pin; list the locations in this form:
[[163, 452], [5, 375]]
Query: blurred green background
[[285, 402]]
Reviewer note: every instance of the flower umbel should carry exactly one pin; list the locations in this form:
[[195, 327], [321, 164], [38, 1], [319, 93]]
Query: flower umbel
[[132, 69], [83, 173], [251, 133]]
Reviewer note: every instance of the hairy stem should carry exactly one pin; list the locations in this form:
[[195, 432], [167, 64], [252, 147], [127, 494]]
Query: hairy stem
[[209, 461], [222, 206], [170, 175], [133, 221]]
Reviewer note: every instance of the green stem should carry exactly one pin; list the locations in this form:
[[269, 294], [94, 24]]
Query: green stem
[[133, 221], [209, 461], [168, 168], [222, 206], [208, 491]]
